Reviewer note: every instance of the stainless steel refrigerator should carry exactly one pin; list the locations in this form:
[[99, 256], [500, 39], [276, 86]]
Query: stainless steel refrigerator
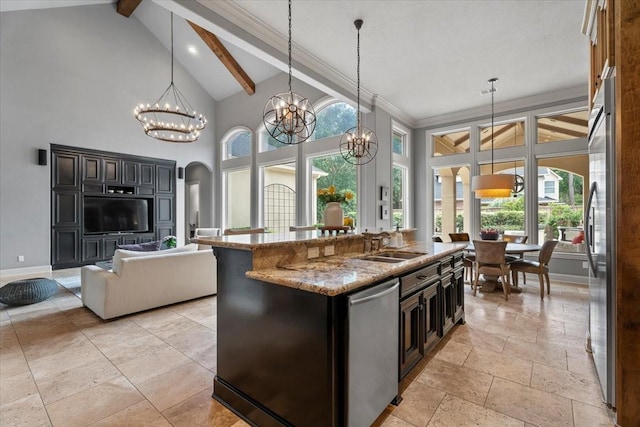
[[600, 238]]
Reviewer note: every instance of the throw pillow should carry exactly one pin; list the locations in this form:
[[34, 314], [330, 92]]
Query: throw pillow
[[143, 247]]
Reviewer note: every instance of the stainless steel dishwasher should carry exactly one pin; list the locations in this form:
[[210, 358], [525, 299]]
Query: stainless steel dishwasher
[[373, 352]]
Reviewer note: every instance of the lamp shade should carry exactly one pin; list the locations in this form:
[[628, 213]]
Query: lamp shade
[[492, 186]]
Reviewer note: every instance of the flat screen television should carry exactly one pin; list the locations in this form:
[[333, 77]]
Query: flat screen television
[[116, 215]]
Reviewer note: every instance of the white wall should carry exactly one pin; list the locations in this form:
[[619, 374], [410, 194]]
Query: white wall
[[72, 76]]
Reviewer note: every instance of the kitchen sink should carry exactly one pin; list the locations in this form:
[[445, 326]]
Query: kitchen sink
[[400, 254], [378, 258]]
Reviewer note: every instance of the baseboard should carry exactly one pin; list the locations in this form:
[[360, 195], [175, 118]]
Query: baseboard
[[569, 278], [38, 269]]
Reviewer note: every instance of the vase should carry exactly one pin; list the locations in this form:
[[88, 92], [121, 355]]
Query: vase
[[333, 215]]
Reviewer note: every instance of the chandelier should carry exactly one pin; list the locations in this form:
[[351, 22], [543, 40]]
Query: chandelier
[[171, 118], [494, 185], [288, 117], [359, 144]]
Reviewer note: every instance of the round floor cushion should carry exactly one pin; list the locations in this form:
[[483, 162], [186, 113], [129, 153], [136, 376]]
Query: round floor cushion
[[27, 291]]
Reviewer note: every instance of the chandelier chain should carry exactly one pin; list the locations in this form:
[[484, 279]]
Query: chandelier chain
[[171, 47], [289, 45], [358, 73]]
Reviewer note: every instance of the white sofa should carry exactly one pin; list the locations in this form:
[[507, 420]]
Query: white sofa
[[144, 280]]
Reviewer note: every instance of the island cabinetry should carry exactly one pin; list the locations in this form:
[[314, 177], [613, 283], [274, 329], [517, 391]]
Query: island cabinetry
[[280, 354], [431, 303]]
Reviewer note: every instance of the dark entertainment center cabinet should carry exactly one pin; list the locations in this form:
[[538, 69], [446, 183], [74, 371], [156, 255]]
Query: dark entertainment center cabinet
[[78, 173]]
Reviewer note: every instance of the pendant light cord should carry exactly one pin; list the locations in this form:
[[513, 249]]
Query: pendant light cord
[[171, 47], [289, 45], [492, 115]]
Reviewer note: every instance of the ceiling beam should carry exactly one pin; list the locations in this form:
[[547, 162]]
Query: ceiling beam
[[126, 7], [497, 133], [564, 131], [226, 58], [568, 119]]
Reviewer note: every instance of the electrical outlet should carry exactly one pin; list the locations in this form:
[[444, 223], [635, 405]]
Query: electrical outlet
[[585, 265], [20, 258], [329, 250], [313, 252]]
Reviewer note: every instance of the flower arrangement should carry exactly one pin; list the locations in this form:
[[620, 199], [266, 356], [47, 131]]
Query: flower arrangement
[[330, 194], [170, 241], [489, 234]]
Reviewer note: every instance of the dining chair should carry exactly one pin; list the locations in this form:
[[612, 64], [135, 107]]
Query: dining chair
[[467, 261], [513, 238], [490, 260], [234, 231], [540, 267]]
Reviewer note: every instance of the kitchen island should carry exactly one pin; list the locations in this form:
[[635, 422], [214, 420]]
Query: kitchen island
[[284, 348]]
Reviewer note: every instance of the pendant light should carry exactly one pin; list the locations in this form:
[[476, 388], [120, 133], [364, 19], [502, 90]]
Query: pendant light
[[494, 185], [171, 118], [288, 117], [359, 144]]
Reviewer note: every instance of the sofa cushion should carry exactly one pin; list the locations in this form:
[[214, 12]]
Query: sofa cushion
[[142, 247], [191, 247], [119, 254]]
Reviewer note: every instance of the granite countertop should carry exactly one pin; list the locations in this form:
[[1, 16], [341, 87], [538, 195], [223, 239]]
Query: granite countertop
[[272, 240], [336, 275]]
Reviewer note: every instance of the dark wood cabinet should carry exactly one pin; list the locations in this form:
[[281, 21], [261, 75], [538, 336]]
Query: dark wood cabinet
[[431, 321], [411, 341], [78, 172], [431, 302]]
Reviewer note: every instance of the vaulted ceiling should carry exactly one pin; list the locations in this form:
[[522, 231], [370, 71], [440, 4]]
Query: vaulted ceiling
[[424, 58]]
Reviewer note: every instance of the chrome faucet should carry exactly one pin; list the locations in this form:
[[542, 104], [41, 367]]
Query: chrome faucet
[[375, 241]]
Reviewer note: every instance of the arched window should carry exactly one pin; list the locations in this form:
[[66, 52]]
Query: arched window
[[334, 119], [237, 144]]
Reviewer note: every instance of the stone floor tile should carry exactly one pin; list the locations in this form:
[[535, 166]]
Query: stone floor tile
[[478, 338], [49, 365], [419, 402], [94, 404], [149, 365], [463, 382], [140, 414], [500, 365], [587, 415], [454, 411], [28, 412], [201, 410], [528, 404], [454, 352], [75, 380], [178, 385], [548, 354], [571, 385]]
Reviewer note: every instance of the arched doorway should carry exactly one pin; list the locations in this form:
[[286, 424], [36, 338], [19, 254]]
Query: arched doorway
[[198, 198]]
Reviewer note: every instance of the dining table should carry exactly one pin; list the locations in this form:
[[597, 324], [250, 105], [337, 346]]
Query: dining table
[[490, 283]]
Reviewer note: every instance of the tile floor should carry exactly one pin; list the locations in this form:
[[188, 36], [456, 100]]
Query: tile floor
[[515, 363]]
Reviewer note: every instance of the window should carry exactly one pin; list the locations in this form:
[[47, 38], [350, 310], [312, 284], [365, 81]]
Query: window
[[563, 126], [268, 143], [560, 212], [504, 135], [334, 120], [333, 170], [399, 143], [238, 198], [507, 215], [454, 142], [399, 195], [451, 201], [238, 144], [279, 197]]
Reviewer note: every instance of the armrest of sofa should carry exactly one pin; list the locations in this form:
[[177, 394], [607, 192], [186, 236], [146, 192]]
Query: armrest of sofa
[[94, 282]]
